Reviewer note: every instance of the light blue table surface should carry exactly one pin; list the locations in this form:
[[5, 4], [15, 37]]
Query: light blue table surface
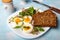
[[7, 34]]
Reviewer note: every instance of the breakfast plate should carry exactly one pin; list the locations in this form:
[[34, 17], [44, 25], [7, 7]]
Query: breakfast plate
[[21, 21]]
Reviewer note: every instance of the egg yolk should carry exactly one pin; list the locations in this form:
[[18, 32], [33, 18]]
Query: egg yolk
[[26, 28], [17, 20], [27, 19]]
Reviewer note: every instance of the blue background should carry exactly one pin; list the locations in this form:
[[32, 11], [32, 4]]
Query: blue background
[[7, 34]]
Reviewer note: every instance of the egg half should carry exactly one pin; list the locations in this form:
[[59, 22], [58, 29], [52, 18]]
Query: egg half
[[27, 19], [17, 20], [27, 28]]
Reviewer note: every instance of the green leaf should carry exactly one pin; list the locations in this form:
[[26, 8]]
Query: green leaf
[[22, 13], [41, 29], [17, 27], [30, 11], [35, 29]]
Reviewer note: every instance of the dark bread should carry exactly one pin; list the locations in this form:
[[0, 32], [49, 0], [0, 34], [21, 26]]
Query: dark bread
[[46, 18]]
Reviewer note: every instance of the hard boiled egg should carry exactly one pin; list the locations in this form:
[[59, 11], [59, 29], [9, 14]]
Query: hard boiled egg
[[27, 19], [27, 28], [13, 24], [17, 20]]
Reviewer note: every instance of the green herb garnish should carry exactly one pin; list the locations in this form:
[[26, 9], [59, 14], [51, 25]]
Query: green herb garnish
[[17, 27], [30, 11], [39, 28]]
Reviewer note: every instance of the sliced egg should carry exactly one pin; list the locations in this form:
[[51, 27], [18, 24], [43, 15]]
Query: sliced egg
[[27, 28], [27, 19], [13, 24], [20, 23], [17, 20]]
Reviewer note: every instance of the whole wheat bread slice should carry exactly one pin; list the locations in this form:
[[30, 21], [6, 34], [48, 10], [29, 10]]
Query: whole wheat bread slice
[[45, 19]]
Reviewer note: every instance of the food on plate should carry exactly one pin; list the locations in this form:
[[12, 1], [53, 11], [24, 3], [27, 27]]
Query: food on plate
[[27, 28], [24, 21], [27, 12], [17, 20], [46, 18], [27, 19], [32, 21]]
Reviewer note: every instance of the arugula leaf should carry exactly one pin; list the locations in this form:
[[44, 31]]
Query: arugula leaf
[[21, 13], [17, 27], [35, 29], [30, 11], [39, 28]]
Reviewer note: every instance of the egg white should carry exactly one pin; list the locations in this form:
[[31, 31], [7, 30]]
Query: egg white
[[13, 24], [16, 18], [28, 17], [20, 23], [30, 30]]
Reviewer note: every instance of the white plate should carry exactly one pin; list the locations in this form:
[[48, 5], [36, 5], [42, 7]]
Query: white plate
[[20, 33]]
